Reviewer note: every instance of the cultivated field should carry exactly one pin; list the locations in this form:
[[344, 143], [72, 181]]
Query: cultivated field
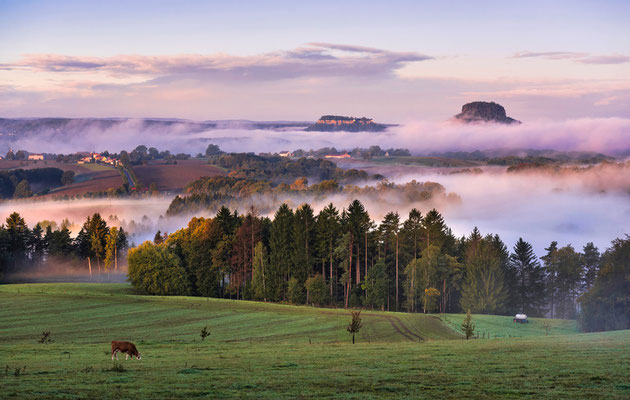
[[174, 177], [259, 350]]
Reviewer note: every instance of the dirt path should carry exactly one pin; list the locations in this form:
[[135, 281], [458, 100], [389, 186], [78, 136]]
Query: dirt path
[[402, 328], [396, 323]]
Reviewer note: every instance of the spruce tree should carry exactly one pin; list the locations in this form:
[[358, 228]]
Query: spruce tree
[[530, 283], [483, 288], [328, 230], [590, 265], [279, 255]]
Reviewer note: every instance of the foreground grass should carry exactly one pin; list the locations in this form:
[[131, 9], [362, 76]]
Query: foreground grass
[[263, 351]]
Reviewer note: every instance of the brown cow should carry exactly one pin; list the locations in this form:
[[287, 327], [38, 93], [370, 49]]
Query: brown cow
[[125, 347]]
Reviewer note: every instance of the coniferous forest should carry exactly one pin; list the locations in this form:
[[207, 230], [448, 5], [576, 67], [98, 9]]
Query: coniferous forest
[[343, 258]]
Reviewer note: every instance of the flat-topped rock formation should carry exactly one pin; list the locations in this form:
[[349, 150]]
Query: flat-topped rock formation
[[481, 111], [329, 123]]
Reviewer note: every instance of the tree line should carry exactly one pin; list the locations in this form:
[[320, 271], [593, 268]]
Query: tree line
[[344, 258], [97, 247], [212, 193]]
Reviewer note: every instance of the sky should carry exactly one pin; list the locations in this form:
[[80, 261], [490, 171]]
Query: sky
[[394, 61]]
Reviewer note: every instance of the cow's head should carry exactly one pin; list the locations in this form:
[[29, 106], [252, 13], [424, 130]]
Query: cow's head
[[139, 357]]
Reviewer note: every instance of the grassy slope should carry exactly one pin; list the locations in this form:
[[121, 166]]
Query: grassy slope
[[500, 326], [261, 350]]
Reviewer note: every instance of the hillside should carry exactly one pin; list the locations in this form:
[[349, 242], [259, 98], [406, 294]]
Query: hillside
[[231, 321], [259, 351]]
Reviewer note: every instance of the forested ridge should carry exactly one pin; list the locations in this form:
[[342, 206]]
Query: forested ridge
[[342, 258], [212, 193]]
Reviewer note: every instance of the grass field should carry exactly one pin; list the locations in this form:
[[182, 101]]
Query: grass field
[[259, 350]]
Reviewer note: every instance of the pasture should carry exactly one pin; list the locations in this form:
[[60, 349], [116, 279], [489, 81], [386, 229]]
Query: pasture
[[259, 350]]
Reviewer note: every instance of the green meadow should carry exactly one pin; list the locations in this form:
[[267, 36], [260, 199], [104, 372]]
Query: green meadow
[[258, 350]]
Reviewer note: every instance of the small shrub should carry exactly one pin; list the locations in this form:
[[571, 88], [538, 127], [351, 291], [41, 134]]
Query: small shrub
[[45, 338], [116, 367], [468, 327], [204, 333], [547, 326]]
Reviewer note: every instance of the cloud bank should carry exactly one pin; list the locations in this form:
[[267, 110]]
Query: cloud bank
[[604, 135], [314, 59]]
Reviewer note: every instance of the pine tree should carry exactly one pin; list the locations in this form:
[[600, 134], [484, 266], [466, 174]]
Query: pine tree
[[530, 283], [434, 230], [568, 282], [17, 234], [389, 230], [303, 243], [376, 286], [357, 224], [411, 236], [280, 250], [590, 265], [468, 327], [328, 229], [551, 271], [259, 284], [483, 288]]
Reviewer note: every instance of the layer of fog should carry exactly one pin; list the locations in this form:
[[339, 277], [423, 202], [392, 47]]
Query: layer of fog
[[606, 135], [140, 217], [538, 207]]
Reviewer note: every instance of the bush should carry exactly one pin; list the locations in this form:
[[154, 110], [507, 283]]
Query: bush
[[295, 291], [153, 269], [67, 177], [317, 290]]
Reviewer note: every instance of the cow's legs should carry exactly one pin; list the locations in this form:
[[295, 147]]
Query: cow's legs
[[114, 353], [126, 356]]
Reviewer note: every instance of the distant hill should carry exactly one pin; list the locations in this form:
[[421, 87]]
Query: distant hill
[[331, 123], [481, 111]]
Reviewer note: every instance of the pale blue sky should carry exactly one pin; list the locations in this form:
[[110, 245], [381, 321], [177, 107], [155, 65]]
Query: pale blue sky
[[248, 27], [472, 43]]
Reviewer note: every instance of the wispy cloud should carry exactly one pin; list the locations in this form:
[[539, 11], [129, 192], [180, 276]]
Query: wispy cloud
[[551, 55], [314, 59], [611, 59], [584, 58]]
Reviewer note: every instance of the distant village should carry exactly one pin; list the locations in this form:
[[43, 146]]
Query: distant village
[[97, 158], [80, 157]]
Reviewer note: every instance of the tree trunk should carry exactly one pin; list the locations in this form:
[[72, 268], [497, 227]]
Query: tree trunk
[[115, 258], [262, 263], [353, 338], [331, 274], [358, 279], [396, 272], [366, 254], [349, 280], [90, 266]]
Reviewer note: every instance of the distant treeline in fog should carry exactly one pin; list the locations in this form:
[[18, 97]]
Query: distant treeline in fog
[[344, 258], [97, 248]]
